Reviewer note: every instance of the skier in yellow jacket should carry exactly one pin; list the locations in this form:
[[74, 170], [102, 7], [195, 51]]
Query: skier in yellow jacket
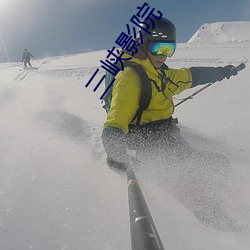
[[127, 87], [156, 134]]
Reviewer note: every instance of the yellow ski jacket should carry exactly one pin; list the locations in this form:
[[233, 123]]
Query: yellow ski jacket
[[127, 89]]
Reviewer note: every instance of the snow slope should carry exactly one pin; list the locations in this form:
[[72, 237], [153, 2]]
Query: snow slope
[[56, 191], [222, 32]]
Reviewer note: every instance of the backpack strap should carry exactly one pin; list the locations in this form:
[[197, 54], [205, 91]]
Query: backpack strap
[[163, 77], [146, 92], [146, 88]]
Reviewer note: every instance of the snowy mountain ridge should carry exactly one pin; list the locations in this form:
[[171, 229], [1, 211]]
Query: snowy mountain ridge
[[222, 32]]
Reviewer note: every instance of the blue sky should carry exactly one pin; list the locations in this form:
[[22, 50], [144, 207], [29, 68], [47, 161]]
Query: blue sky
[[58, 27]]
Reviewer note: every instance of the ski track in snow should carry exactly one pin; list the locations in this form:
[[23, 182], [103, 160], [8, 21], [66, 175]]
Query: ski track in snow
[[77, 73]]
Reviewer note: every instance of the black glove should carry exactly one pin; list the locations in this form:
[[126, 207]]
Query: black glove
[[121, 167], [115, 145], [116, 166], [227, 72], [114, 142]]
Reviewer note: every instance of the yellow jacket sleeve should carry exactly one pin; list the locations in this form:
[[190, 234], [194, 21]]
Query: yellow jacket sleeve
[[181, 78]]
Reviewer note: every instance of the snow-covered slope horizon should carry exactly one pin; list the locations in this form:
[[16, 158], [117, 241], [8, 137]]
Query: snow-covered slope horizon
[[222, 32], [56, 190]]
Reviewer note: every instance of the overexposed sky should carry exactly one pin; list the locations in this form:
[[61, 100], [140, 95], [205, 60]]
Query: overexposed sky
[[57, 27]]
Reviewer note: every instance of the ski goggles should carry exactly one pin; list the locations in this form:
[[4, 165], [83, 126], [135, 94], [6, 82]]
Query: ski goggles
[[162, 49]]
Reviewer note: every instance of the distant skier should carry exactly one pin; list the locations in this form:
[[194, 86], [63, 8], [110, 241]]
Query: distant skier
[[195, 177], [26, 58]]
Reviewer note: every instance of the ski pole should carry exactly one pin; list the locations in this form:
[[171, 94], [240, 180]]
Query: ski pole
[[37, 60], [238, 68], [144, 235]]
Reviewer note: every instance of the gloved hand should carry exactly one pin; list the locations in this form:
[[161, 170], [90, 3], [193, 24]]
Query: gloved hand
[[119, 167], [228, 71], [115, 145]]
